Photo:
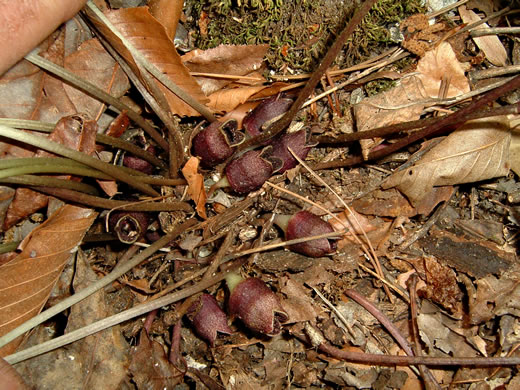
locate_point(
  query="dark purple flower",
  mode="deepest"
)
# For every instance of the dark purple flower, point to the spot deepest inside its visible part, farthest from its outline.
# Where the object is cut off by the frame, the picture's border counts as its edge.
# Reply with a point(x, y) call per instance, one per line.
point(129, 226)
point(265, 114)
point(215, 143)
point(257, 306)
point(250, 171)
point(208, 318)
point(298, 142)
point(305, 224)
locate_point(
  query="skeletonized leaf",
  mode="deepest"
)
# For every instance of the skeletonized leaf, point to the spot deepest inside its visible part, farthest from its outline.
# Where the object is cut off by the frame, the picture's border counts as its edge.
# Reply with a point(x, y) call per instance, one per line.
point(27, 280)
point(479, 150)
point(149, 37)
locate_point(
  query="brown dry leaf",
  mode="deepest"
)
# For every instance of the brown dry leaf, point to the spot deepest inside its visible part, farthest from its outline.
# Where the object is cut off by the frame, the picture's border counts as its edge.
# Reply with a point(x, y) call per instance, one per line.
point(26, 282)
point(400, 104)
point(478, 150)
point(168, 13)
point(438, 64)
point(227, 60)
point(148, 36)
point(92, 62)
point(25, 202)
point(489, 44)
point(105, 353)
point(228, 99)
point(514, 149)
point(195, 185)
point(150, 367)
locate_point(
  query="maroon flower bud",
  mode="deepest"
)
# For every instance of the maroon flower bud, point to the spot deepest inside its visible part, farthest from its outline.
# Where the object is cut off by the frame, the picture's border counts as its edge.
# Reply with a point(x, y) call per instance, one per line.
point(255, 304)
point(265, 114)
point(305, 224)
point(215, 143)
point(129, 226)
point(250, 171)
point(298, 142)
point(208, 318)
point(138, 164)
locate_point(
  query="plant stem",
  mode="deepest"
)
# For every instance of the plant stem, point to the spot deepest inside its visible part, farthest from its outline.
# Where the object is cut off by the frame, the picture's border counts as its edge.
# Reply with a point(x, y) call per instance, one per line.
point(94, 201)
point(94, 91)
point(54, 147)
point(30, 180)
point(101, 138)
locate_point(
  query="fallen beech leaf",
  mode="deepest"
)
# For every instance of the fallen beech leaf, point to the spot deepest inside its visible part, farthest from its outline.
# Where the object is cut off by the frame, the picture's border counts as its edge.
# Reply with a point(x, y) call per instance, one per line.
point(224, 59)
point(478, 150)
point(438, 64)
point(489, 44)
point(228, 99)
point(148, 36)
point(195, 185)
point(168, 13)
point(93, 63)
point(26, 281)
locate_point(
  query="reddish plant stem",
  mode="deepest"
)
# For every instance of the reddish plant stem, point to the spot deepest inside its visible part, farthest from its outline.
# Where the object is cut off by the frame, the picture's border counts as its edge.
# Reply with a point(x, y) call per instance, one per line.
point(332, 53)
point(392, 360)
point(412, 125)
point(434, 129)
point(429, 380)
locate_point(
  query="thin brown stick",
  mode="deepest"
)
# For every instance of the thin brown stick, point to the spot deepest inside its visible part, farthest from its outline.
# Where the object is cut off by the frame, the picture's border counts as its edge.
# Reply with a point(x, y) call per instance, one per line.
point(429, 380)
point(281, 124)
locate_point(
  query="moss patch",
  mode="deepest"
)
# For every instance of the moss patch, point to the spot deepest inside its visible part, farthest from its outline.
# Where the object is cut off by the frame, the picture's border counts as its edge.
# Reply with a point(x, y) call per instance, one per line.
point(298, 31)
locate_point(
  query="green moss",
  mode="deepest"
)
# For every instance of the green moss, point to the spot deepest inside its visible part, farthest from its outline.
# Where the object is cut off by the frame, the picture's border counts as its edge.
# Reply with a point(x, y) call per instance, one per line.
point(299, 32)
point(378, 86)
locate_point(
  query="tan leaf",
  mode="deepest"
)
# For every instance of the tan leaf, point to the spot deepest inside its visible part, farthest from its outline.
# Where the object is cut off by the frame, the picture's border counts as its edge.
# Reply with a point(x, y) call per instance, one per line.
point(224, 59)
point(436, 65)
point(148, 36)
point(228, 99)
point(489, 44)
point(195, 185)
point(479, 150)
point(26, 281)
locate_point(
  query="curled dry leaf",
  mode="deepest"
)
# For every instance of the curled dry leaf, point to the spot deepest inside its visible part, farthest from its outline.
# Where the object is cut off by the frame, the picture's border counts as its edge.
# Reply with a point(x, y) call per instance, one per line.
point(195, 185)
point(479, 150)
point(26, 281)
point(489, 44)
point(438, 64)
point(226, 60)
point(149, 37)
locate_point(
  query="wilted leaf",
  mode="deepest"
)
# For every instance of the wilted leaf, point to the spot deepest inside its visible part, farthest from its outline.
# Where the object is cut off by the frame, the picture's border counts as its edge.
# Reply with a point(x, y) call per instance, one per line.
point(224, 59)
point(489, 44)
point(25, 202)
point(26, 282)
point(440, 63)
point(228, 99)
point(149, 37)
point(150, 367)
point(195, 185)
point(479, 150)
point(92, 62)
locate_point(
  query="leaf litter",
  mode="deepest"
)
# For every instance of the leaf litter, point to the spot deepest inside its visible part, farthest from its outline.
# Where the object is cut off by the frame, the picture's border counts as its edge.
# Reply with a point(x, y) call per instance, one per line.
point(454, 229)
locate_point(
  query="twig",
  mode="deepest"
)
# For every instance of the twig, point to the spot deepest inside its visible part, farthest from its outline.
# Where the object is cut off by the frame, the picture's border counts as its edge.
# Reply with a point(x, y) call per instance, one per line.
point(429, 380)
point(494, 31)
point(283, 122)
point(54, 147)
point(493, 72)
